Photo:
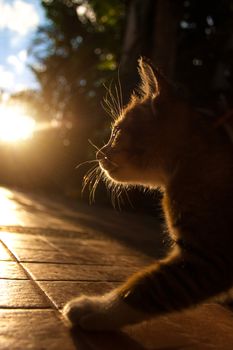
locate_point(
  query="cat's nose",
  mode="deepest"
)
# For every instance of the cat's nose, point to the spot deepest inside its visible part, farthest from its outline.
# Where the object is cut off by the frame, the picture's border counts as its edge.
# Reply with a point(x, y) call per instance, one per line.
point(101, 154)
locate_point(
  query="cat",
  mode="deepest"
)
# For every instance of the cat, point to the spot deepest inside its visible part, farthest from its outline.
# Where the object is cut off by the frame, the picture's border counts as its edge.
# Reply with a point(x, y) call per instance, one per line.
point(160, 141)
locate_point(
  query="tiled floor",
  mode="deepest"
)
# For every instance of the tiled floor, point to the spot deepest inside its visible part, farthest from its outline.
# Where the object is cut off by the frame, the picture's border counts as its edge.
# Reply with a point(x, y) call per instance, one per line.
point(40, 272)
point(54, 253)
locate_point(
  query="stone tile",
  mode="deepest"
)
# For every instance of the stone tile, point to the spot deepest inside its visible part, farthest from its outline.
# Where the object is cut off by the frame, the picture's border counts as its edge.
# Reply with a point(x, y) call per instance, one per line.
point(109, 341)
point(93, 245)
point(84, 256)
point(61, 292)
point(99, 252)
point(204, 328)
point(4, 254)
point(190, 330)
point(45, 256)
point(69, 272)
point(98, 258)
point(11, 270)
point(21, 294)
point(26, 241)
point(158, 334)
point(12, 236)
point(33, 329)
point(210, 324)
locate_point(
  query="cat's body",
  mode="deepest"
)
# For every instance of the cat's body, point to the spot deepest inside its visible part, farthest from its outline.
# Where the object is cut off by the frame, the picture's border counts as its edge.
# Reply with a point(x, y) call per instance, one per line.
point(159, 141)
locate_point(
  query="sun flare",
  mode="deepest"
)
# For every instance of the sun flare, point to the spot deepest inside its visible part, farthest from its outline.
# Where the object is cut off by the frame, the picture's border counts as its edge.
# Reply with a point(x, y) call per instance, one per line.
point(15, 125)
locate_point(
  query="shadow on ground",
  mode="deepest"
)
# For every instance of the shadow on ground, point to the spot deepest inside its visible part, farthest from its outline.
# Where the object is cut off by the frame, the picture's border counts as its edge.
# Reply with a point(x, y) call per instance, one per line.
point(108, 340)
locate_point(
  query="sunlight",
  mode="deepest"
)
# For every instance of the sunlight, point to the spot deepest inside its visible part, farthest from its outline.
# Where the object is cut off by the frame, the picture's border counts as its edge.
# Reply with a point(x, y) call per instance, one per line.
point(15, 125)
point(8, 209)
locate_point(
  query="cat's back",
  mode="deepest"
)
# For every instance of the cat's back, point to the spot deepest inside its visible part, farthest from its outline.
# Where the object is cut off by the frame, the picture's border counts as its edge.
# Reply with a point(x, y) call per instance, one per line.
point(199, 197)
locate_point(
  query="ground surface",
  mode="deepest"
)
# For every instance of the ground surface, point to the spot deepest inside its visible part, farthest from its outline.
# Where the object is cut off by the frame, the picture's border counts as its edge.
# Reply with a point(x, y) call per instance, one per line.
point(51, 251)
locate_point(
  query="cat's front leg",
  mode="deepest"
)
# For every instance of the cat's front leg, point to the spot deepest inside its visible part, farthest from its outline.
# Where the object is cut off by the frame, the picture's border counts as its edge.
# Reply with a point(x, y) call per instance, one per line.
point(105, 312)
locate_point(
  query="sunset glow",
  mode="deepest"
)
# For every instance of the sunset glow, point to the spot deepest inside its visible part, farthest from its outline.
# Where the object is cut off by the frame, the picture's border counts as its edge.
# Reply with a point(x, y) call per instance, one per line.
point(15, 125)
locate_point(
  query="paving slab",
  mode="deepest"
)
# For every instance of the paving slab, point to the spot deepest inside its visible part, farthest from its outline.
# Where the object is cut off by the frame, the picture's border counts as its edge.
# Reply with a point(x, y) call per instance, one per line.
point(71, 272)
point(34, 330)
point(21, 294)
point(209, 326)
point(77, 257)
point(4, 253)
point(44, 256)
point(99, 245)
point(61, 292)
point(42, 268)
point(26, 241)
point(11, 270)
point(106, 258)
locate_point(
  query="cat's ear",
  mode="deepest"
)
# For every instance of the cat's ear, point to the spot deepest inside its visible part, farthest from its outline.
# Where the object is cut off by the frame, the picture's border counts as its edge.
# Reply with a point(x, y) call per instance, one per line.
point(153, 83)
point(149, 86)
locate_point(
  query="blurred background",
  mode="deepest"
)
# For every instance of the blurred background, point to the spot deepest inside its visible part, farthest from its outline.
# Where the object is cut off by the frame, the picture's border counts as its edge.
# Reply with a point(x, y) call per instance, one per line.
point(58, 57)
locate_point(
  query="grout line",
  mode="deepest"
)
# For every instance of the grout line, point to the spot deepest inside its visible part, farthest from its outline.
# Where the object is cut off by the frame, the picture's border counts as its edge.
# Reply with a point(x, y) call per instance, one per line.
point(14, 278)
point(134, 268)
point(82, 281)
point(24, 308)
point(44, 295)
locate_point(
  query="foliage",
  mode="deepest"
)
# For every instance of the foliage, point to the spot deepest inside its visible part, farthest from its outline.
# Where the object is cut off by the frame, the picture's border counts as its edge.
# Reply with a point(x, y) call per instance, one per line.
point(76, 51)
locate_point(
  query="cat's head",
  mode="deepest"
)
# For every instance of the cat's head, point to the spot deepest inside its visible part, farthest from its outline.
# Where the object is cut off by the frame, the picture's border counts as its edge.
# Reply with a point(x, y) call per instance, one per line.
point(142, 143)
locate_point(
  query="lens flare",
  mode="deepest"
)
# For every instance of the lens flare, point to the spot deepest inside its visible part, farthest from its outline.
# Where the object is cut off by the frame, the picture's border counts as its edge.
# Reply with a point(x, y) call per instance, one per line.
point(15, 125)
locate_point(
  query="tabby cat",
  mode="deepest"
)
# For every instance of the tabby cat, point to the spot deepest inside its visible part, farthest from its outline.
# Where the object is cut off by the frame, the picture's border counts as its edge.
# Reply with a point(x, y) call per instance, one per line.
point(158, 140)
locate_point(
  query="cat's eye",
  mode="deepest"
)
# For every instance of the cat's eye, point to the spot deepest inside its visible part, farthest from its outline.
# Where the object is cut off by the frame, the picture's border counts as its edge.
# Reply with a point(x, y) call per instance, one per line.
point(115, 131)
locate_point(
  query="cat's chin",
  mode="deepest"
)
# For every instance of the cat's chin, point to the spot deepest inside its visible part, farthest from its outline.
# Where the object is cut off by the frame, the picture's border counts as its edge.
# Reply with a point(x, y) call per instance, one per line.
point(113, 176)
point(123, 176)
point(116, 176)
point(124, 179)
point(120, 177)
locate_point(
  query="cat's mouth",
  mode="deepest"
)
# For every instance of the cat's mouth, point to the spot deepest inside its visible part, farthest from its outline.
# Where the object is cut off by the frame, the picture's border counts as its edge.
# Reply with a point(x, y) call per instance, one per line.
point(108, 165)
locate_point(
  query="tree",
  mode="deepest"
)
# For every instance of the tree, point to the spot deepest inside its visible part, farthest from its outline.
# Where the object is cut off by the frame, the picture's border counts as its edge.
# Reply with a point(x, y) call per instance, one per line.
point(76, 51)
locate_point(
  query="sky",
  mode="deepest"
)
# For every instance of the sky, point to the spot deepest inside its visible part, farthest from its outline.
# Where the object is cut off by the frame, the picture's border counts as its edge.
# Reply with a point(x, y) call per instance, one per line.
point(19, 20)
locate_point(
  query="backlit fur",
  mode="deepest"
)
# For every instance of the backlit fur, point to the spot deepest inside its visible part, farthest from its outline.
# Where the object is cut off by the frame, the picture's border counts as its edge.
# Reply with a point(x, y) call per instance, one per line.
point(158, 140)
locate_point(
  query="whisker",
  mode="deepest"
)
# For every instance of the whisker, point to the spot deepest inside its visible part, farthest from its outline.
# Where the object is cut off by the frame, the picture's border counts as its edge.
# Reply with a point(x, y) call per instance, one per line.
point(119, 198)
point(108, 109)
point(86, 162)
point(88, 177)
point(92, 193)
point(119, 84)
point(114, 101)
point(127, 196)
point(113, 104)
point(113, 197)
point(99, 150)
point(112, 111)
point(118, 100)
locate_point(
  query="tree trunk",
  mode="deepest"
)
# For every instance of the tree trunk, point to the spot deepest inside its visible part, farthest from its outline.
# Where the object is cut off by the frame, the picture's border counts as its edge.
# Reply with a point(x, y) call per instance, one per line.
point(151, 30)
point(167, 18)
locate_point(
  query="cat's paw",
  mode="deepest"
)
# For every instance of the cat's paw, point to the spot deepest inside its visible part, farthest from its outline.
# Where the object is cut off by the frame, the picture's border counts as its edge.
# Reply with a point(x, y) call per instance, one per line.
point(106, 312)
